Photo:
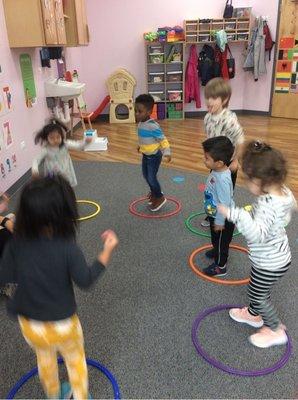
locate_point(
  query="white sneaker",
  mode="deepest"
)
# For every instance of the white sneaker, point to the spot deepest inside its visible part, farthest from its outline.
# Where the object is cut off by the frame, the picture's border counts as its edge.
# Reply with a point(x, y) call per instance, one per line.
point(205, 223)
point(242, 315)
point(266, 337)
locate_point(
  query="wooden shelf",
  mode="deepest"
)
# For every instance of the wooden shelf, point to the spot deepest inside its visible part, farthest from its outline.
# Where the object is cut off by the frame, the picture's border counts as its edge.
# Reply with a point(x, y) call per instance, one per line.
point(166, 67)
point(232, 26)
point(213, 41)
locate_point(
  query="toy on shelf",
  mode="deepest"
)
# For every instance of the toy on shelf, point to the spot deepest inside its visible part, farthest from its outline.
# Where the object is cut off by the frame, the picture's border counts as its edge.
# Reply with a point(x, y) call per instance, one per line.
point(176, 34)
point(121, 86)
point(165, 34)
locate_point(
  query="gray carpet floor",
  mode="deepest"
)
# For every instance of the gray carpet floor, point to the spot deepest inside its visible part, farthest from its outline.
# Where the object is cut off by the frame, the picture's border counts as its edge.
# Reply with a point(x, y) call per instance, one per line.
point(137, 319)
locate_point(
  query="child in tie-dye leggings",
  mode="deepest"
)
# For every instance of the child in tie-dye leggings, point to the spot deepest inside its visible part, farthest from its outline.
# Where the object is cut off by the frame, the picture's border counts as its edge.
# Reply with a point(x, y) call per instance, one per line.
point(44, 260)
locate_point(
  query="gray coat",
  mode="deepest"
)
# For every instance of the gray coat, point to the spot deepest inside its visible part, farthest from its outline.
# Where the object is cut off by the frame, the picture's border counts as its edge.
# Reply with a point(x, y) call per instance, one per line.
point(255, 57)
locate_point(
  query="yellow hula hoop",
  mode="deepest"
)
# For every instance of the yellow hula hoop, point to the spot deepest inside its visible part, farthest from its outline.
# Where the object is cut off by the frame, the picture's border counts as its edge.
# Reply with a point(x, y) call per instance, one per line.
point(93, 203)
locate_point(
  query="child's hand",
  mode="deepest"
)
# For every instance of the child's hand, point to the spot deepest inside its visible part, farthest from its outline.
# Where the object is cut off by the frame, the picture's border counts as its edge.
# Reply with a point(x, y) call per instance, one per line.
point(224, 210)
point(4, 200)
point(110, 240)
point(88, 139)
point(168, 158)
point(218, 228)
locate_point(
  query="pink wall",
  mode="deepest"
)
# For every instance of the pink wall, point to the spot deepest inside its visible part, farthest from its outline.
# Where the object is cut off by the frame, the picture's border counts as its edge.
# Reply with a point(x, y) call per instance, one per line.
point(116, 41)
point(24, 121)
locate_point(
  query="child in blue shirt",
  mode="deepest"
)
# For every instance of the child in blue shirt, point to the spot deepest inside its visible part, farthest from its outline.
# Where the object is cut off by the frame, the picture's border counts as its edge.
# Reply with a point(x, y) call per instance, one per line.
point(218, 152)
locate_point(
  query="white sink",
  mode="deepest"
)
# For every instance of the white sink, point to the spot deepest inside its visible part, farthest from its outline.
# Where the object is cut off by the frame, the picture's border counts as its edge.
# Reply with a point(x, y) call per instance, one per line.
point(63, 89)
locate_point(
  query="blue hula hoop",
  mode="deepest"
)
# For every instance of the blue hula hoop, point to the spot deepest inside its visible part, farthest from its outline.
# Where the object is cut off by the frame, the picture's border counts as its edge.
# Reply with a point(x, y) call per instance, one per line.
point(89, 361)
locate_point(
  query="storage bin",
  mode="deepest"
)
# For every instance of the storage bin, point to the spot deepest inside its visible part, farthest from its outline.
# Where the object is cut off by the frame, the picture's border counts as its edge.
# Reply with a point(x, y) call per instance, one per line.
point(174, 76)
point(156, 58)
point(175, 95)
point(156, 77)
point(175, 114)
point(191, 37)
point(217, 25)
point(191, 26)
point(156, 50)
point(231, 36)
point(243, 24)
point(204, 24)
point(242, 36)
point(229, 26)
point(204, 37)
point(161, 111)
point(158, 95)
point(179, 106)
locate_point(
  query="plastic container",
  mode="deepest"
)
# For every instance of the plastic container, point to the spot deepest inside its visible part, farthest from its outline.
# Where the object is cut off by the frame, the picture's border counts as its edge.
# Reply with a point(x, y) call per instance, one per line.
point(156, 50)
point(191, 37)
point(231, 36)
point(204, 37)
point(230, 25)
point(158, 95)
point(217, 25)
point(161, 111)
point(175, 95)
point(242, 36)
point(191, 26)
point(174, 76)
point(175, 114)
point(156, 77)
point(156, 58)
point(204, 25)
point(243, 24)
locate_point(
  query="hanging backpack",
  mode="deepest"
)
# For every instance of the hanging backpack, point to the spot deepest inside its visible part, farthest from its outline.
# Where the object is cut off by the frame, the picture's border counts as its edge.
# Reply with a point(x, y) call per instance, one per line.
point(269, 43)
point(206, 64)
point(231, 64)
point(228, 12)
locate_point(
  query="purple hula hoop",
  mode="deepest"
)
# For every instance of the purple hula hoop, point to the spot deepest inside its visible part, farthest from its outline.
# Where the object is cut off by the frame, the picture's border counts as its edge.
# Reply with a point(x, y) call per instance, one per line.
point(215, 363)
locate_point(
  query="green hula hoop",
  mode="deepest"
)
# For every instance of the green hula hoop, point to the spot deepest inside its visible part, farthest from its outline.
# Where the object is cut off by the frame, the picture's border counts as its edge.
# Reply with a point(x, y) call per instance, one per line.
point(197, 231)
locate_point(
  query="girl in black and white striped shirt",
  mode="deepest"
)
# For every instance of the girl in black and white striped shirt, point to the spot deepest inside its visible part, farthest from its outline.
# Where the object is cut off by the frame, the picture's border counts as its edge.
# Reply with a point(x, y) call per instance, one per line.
point(264, 229)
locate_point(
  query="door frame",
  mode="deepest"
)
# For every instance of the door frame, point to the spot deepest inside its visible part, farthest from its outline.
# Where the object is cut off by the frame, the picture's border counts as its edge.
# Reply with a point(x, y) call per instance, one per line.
point(275, 56)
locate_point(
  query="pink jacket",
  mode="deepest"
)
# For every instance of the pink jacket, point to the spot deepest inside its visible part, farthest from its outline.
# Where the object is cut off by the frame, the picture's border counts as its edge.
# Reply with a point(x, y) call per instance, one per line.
point(192, 89)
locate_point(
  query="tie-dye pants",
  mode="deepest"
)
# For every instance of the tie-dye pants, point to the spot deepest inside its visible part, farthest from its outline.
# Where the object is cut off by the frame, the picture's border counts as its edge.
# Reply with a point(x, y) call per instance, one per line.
point(65, 337)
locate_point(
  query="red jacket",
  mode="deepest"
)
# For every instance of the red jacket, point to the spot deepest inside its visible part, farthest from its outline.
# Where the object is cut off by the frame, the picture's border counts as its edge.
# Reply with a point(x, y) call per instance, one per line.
point(192, 89)
point(221, 58)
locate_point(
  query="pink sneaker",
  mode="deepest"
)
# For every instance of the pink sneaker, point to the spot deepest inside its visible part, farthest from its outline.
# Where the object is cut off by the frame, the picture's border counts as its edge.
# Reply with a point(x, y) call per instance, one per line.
point(242, 315)
point(266, 337)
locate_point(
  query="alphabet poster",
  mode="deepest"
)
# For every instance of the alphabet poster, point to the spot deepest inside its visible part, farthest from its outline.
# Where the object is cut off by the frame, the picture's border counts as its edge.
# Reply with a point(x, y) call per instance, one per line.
point(7, 134)
point(5, 99)
point(286, 79)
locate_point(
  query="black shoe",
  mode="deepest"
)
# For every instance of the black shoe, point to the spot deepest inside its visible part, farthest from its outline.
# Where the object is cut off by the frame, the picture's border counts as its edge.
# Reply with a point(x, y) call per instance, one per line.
point(215, 270)
point(210, 253)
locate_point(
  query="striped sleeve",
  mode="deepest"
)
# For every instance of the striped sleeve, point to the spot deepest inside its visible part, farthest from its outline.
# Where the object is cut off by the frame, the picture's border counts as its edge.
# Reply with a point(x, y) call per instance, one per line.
point(163, 141)
point(255, 227)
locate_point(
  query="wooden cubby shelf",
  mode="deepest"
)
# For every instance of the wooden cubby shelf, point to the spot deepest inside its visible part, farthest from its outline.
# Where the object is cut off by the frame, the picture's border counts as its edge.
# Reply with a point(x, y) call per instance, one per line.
point(202, 30)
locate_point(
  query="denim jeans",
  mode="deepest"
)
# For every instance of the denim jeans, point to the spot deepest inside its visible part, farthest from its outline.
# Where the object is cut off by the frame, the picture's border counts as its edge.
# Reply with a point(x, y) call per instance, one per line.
point(150, 166)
